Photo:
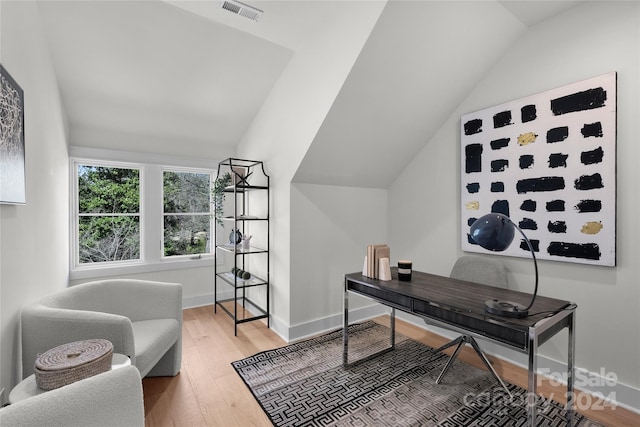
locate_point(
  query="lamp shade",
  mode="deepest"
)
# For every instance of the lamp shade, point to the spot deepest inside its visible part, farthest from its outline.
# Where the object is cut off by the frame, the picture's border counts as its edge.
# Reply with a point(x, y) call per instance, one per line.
point(493, 232)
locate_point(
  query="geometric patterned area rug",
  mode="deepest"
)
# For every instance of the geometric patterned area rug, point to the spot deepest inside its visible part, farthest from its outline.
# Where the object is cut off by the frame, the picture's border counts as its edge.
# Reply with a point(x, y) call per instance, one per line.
point(305, 384)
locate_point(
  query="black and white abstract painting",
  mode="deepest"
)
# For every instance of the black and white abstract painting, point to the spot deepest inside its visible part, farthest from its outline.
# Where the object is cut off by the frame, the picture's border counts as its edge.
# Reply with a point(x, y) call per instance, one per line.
point(548, 162)
point(12, 170)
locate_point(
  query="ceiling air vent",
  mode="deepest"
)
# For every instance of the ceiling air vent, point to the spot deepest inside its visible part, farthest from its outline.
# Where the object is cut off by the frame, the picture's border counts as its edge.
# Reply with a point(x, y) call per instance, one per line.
point(241, 9)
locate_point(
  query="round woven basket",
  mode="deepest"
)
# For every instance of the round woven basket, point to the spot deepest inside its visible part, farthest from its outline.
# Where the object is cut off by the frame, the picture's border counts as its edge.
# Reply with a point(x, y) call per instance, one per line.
point(72, 362)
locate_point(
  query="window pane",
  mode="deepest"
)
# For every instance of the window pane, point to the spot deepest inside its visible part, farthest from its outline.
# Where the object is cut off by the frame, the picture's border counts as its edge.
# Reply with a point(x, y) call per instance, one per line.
point(186, 234)
point(186, 192)
point(108, 189)
point(108, 238)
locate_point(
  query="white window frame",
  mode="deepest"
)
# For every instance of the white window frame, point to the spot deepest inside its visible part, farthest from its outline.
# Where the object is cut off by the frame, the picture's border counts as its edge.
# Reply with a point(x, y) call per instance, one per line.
point(151, 168)
point(75, 260)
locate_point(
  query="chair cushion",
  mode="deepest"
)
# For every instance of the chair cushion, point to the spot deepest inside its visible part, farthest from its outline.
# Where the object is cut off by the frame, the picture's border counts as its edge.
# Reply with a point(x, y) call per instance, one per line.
point(153, 338)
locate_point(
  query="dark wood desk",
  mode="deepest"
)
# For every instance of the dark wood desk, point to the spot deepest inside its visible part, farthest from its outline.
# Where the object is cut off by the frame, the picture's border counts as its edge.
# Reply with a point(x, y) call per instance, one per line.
point(459, 305)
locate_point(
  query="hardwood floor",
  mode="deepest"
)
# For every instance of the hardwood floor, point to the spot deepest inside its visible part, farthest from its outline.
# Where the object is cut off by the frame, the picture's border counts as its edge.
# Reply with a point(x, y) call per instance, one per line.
point(208, 392)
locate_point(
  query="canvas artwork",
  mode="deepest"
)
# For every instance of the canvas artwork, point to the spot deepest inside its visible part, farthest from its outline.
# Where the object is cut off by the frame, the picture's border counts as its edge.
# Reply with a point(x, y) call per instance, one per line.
point(548, 162)
point(12, 171)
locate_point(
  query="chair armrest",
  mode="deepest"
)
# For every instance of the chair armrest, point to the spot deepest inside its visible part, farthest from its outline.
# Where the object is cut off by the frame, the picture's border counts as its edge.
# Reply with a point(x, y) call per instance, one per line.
point(45, 327)
point(111, 399)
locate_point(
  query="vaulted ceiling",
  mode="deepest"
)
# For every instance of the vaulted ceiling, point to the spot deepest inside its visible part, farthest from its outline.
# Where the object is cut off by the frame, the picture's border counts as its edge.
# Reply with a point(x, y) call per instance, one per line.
point(420, 62)
point(189, 70)
point(151, 68)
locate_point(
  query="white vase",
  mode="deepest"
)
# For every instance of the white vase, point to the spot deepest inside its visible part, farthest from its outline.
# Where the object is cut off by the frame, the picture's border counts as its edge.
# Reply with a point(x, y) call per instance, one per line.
point(246, 242)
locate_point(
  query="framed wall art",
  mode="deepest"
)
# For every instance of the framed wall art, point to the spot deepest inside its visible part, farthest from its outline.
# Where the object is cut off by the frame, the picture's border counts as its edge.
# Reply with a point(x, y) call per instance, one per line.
point(547, 161)
point(12, 152)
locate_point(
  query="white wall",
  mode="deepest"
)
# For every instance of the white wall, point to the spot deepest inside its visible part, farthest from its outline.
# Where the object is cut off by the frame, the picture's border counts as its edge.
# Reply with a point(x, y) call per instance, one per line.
point(419, 62)
point(289, 120)
point(331, 228)
point(592, 39)
point(34, 237)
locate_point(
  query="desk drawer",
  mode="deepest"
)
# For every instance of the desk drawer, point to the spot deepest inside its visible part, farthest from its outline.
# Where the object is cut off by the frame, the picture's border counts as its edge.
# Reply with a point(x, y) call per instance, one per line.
point(388, 298)
point(482, 326)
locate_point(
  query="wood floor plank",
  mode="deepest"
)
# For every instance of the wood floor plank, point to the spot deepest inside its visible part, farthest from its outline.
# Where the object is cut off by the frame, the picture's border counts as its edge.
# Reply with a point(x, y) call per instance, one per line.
point(240, 403)
point(208, 392)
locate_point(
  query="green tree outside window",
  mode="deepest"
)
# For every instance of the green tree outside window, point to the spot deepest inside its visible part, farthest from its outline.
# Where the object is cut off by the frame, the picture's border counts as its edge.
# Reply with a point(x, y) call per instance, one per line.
point(187, 213)
point(109, 214)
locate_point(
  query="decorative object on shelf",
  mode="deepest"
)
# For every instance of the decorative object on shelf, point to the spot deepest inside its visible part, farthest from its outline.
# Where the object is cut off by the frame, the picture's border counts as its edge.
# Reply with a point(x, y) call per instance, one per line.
point(235, 237)
point(245, 275)
point(240, 175)
point(71, 362)
point(12, 149)
point(219, 185)
point(495, 232)
point(547, 161)
point(246, 242)
point(404, 270)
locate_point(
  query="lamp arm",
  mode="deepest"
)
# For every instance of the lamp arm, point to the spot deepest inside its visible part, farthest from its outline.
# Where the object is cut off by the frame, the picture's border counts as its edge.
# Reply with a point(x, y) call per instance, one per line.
point(535, 264)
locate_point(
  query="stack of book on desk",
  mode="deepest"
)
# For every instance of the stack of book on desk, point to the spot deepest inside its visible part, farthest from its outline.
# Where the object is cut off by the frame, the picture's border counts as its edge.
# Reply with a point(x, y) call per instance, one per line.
point(377, 264)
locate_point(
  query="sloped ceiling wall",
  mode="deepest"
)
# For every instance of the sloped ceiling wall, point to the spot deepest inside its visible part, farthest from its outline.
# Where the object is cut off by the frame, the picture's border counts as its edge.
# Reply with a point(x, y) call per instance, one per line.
point(418, 64)
point(149, 68)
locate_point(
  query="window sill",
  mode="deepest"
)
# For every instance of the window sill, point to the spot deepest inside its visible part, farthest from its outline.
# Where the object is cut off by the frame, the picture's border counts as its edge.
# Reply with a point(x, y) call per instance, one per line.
point(119, 270)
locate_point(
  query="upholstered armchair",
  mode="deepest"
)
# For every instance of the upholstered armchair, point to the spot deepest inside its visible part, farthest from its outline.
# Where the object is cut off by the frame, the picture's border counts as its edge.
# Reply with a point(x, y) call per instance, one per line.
point(142, 319)
point(110, 399)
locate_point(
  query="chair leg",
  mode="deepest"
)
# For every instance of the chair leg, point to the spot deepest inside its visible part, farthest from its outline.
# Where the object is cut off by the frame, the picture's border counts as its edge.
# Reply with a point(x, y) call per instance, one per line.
point(469, 340)
point(457, 341)
point(476, 347)
point(460, 341)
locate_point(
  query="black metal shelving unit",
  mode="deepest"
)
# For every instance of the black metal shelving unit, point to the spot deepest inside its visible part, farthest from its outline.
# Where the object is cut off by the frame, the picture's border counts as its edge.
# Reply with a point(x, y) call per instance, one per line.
point(249, 183)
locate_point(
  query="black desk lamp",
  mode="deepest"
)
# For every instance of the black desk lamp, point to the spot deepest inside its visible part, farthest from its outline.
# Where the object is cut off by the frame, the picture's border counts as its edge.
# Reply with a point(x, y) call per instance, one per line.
point(495, 232)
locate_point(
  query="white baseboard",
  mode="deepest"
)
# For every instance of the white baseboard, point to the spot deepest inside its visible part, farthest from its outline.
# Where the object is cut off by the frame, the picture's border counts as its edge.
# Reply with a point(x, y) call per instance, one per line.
point(326, 324)
point(197, 301)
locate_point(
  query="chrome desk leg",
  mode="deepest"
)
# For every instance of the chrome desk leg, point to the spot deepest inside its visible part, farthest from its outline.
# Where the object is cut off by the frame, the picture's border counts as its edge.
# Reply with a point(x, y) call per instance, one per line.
point(533, 369)
point(345, 328)
point(345, 334)
point(392, 322)
point(571, 368)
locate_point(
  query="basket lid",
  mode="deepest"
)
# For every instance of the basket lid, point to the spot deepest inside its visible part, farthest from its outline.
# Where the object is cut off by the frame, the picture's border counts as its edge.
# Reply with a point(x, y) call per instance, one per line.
point(73, 354)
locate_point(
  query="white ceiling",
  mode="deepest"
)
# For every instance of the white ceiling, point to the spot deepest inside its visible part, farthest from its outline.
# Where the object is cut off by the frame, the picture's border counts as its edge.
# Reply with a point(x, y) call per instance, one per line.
point(531, 12)
point(188, 70)
point(151, 68)
point(288, 23)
